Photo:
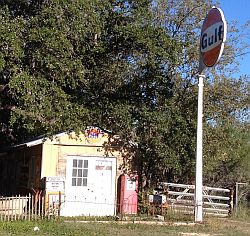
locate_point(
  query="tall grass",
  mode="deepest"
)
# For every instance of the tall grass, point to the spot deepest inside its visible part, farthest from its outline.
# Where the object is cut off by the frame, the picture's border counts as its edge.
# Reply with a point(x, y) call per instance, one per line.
point(241, 213)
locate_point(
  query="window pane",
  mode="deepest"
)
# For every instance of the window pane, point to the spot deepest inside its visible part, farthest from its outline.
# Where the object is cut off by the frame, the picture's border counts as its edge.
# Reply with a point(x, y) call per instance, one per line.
point(79, 182)
point(84, 182)
point(85, 173)
point(85, 164)
point(74, 171)
point(79, 173)
point(80, 163)
point(73, 181)
point(74, 163)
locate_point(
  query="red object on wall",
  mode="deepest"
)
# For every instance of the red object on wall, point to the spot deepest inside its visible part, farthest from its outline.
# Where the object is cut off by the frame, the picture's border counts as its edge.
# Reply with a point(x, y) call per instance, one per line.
point(128, 194)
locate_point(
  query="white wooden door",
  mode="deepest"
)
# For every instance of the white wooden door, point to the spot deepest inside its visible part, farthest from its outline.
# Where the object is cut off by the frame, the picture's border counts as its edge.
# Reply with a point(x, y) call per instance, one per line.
point(90, 186)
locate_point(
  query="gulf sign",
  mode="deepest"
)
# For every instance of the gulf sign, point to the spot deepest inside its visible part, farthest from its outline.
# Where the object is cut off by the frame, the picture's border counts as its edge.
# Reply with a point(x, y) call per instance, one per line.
point(213, 37)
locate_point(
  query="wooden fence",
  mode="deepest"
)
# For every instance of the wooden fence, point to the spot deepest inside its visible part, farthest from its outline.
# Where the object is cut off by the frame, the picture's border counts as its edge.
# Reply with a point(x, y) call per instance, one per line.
point(216, 201)
point(29, 207)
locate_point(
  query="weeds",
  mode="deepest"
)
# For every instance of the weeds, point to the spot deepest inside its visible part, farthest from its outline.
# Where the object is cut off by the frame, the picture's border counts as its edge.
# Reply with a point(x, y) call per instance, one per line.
point(242, 213)
point(236, 225)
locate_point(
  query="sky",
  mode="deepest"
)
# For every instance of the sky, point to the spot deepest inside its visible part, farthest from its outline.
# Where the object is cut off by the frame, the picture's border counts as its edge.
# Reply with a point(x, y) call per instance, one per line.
point(238, 10)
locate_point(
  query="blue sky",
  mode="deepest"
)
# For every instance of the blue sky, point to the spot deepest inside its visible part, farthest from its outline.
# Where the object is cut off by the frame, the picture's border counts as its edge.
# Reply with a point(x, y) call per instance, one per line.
point(238, 10)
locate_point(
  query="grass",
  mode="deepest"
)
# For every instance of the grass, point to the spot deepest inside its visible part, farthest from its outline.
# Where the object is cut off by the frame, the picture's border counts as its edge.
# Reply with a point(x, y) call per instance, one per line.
point(242, 213)
point(225, 227)
point(237, 225)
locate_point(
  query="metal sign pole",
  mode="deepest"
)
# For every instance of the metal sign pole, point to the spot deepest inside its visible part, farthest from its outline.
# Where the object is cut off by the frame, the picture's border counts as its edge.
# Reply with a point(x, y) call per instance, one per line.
point(198, 179)
point(212, 39)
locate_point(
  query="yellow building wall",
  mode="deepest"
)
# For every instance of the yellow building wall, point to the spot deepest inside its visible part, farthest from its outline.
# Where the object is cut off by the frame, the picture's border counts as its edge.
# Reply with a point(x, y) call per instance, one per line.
point(55, 151)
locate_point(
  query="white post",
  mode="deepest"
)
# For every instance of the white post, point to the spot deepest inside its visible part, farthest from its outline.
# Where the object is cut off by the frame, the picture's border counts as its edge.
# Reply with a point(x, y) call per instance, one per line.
point(236, 195)
point(198, 177)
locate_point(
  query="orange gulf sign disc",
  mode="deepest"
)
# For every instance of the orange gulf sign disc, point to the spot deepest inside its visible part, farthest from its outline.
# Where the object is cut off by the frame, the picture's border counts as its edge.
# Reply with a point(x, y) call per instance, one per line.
point(213, 37)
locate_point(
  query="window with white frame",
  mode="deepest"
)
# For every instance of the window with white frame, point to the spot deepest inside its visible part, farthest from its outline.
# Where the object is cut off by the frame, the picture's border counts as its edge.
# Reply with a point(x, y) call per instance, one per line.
point(80, 172)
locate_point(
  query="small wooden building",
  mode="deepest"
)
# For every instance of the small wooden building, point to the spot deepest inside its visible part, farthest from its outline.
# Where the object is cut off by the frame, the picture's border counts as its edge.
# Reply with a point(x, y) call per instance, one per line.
point(79, 170)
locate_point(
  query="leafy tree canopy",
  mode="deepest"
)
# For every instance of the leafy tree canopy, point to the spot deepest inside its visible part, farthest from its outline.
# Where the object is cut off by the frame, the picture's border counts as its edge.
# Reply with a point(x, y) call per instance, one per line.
point(127, 66)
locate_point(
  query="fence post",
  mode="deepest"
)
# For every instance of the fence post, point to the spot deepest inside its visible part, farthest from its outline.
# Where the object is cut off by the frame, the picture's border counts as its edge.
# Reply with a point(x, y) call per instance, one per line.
point(5, 212)
point(20, 208)
point(12, 207)
point(59, 204)
point(237, 194)
point(29, 206)
point(26, 208)
point(8, 208)
point(43, 205)
point(15, 208)
point(35, 206)
point(231, 200)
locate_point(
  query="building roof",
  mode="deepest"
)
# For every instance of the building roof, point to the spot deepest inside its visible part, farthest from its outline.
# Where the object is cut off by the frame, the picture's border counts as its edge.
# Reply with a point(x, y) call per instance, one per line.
point(38, 140)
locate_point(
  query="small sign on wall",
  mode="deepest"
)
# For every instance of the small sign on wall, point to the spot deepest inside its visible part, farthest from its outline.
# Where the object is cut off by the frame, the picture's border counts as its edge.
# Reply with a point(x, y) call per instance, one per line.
point(131, 185)
point(55, 184)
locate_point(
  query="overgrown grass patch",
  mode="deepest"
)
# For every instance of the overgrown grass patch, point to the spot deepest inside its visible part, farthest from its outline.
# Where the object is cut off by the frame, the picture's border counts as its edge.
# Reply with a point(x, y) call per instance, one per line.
point(211, 226)
point(45, 227)
point(242, 213)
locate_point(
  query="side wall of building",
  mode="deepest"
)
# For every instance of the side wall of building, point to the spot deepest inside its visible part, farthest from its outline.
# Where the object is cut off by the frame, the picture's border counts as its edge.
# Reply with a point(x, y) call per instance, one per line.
point(20, 170)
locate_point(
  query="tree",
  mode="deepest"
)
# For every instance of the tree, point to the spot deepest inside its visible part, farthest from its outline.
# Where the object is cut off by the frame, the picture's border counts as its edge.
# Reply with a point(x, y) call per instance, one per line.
point(127, 66)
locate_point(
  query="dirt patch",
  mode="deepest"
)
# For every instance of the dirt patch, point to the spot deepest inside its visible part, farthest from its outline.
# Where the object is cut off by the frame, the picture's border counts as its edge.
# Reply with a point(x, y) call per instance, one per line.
point(199, 234)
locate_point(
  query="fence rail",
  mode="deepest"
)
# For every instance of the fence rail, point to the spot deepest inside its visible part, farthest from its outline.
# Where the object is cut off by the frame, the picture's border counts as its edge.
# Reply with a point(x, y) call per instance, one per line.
point(216, 201)
point(25, 208)
point(34, 207)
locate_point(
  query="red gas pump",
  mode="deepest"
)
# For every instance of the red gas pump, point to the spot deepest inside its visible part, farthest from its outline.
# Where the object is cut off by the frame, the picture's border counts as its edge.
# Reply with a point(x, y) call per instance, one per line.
point(128, 194)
